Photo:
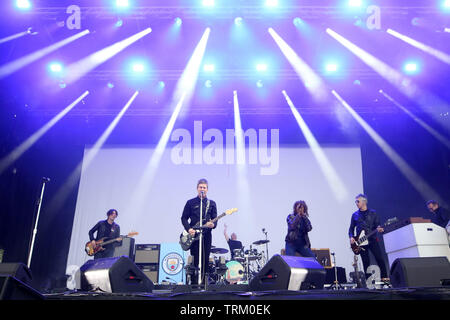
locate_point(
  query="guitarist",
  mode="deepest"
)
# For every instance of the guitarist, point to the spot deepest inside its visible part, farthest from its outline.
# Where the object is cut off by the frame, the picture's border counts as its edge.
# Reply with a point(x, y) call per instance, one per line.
point(191, 216)
point(367, 219)
point(106, 229)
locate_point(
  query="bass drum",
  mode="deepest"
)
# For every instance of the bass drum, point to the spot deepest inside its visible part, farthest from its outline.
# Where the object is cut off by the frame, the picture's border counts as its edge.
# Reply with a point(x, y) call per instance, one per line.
point(235, 272)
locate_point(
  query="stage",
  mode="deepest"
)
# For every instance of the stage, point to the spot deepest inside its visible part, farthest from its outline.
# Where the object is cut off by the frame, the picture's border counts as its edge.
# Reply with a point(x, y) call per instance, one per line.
point(241, 294)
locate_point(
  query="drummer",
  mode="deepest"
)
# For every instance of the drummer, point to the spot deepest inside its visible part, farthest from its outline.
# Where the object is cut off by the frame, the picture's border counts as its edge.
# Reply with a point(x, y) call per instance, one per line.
point(233, 243)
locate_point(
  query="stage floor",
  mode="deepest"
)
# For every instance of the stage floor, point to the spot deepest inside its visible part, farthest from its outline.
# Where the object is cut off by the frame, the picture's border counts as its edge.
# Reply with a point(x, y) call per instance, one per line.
point(239, 293)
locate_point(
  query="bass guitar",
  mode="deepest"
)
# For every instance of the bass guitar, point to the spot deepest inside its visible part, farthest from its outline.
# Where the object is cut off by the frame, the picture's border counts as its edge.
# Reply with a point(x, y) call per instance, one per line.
point(186, 239)
point(93, 249)
point(362, 239)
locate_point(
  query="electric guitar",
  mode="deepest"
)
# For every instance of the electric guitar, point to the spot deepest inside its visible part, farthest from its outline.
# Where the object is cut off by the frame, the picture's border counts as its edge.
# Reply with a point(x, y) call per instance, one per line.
point(363, 239)
point(92, 250)
point(186, 240)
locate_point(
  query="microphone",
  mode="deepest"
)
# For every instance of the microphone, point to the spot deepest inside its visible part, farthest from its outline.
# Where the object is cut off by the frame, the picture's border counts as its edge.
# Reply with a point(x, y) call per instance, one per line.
point(263, 229)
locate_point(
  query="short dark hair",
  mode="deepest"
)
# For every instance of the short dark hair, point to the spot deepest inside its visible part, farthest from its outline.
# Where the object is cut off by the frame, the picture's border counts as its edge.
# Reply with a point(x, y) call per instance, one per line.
point(202, 181)
point(432, 202)
point(112, 211)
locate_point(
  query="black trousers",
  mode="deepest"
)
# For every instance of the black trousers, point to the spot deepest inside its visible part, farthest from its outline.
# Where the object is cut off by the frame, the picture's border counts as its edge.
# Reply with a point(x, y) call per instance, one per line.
point(107, 253)
point(373, 247)
point(206, 249)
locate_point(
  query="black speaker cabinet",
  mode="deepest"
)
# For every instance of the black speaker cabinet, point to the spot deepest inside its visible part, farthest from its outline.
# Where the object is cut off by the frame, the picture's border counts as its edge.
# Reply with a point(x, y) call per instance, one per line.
point(18, 271)
point(125, 248)
point(114, 275)
point(14, 289)
point(289, 273)
point(420, 272)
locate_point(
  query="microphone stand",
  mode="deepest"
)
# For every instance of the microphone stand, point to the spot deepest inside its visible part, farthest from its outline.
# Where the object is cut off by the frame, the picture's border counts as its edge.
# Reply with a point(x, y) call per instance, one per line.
point(200, 243)
point(33, 238)
point(267, 246)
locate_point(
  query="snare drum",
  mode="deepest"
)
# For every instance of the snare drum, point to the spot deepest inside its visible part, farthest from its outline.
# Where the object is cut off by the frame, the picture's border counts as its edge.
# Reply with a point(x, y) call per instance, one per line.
point(235, 272)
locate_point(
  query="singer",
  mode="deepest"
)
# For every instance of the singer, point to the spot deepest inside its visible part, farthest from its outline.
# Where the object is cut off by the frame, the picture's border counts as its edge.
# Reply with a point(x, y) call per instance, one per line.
point(191, 215)
point(297, 239)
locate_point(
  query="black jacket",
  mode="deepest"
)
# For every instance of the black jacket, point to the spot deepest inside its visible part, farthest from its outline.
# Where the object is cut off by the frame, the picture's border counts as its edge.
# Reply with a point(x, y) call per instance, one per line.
point(104, 230)
point(441, 217)
point(364, 220)
point(191, 213)
point(298, 228)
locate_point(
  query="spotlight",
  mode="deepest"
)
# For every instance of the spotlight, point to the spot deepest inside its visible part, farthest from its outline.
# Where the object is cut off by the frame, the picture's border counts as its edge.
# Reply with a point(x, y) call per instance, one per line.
point(331, 67)
point(355, 3)
point(178, 21)
point(161, 84)
point(110, 85)
point(271, 3)
point(411, 67)
point(259, 84)
point(122, 3)
point(208, 83)
point(238, 21)
point(56, 67)
point(208, 3)
point(138, 67)
point(446, 4)
point(23, 4)
point(209, 68)
point(297, 22)
point(119, 23)
point(261, 67)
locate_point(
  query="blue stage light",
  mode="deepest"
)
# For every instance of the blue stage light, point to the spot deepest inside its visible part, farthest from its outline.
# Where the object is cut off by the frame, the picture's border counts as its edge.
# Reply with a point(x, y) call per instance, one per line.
point(261, 67)
point(161, 85)
point(208, 3)
point(208, 83)
point(271, 3)
point(298, 22)
point(209, 67)
point(331, 67)
point(122, 3)
point(138, 67)
point(355, 3)
point(55, 67)
point(446, 5)
point(23, 4)
point(259, 84)
point(238, 21)
point(178, 22)
point(411, 67)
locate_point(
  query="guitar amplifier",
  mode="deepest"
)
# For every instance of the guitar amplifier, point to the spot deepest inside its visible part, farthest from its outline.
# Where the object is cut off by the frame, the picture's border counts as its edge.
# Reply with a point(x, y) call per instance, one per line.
point(151, 270)
point(147, 253)
point(125, 248)
point(323, 256)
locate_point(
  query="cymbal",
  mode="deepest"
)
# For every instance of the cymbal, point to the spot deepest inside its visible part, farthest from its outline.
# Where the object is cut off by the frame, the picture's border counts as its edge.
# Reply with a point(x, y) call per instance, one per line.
point(259, 242)
point(219, 250)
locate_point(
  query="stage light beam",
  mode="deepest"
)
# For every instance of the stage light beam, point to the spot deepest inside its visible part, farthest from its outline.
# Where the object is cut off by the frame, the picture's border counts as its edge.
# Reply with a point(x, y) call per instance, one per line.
point(28, 143)
point(78, 69)
point(334, 181)
point(20, 63)
point(422, 187)
point(442, 56)
point(419, 121)
point(403, 83)
point(312, 82)
point(182, 96)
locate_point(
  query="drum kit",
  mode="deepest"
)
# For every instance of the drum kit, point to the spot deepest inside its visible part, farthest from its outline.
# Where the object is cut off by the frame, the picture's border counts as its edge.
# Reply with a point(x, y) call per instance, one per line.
point(243, 266)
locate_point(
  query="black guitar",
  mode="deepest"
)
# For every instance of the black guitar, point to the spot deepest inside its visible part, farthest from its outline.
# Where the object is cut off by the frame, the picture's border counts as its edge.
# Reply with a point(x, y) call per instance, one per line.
point(186, 239)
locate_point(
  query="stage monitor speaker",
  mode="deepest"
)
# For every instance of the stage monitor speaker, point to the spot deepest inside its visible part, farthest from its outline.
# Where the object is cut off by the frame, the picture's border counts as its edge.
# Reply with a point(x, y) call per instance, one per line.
point(18, 271)
point(125, 248)
point(114, 275)
point(14, 289)
point(419, 272)
point(151, 270)
point(289, 273)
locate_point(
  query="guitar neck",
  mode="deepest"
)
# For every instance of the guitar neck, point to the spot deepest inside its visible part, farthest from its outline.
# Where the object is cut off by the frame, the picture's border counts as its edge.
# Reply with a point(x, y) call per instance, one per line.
point(216, 218)
point(109, 241)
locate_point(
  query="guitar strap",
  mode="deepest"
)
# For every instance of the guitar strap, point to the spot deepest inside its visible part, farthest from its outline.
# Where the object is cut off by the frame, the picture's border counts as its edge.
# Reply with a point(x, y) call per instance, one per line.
point(207, 208)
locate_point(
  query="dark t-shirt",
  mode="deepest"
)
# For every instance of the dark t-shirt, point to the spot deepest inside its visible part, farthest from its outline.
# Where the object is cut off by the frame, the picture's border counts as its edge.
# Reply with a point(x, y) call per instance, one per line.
point(234, 244)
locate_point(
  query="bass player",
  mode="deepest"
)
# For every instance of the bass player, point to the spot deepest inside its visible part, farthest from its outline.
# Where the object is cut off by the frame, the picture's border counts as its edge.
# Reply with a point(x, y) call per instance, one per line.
point(367, 220)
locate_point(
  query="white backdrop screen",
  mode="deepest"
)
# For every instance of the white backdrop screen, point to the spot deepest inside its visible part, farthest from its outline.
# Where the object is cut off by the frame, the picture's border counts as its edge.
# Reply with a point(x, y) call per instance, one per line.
point(263, 200)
